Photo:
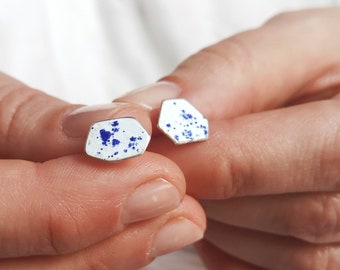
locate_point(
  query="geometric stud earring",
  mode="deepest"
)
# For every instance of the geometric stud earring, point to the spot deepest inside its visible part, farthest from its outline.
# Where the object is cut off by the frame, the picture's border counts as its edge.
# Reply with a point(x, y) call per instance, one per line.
point(116, 139)
point(182, 122)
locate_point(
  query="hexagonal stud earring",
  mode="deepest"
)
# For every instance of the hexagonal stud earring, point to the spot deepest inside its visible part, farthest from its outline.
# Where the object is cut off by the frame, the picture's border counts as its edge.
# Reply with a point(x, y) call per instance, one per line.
point(116, 139)
point(182, 122)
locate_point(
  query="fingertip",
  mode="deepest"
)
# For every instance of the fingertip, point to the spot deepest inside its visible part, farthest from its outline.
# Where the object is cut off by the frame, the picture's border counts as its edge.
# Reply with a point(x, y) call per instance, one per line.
point(151, 96)
point(165, 168)
point(179, 228)
point(194, 212)
point(76, 123)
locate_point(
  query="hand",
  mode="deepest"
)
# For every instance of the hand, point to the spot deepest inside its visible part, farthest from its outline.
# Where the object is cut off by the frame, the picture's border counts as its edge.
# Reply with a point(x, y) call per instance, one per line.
point(272, 98)
point(54, 200)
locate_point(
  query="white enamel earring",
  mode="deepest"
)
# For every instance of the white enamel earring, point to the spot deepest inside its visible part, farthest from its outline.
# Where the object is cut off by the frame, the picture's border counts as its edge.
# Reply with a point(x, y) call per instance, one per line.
point(182, 122)
point(116, 139)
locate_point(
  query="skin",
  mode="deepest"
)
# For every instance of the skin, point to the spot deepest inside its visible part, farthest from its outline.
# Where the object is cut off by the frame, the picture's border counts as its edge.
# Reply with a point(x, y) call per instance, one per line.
point(268, 176)
point(55, 200)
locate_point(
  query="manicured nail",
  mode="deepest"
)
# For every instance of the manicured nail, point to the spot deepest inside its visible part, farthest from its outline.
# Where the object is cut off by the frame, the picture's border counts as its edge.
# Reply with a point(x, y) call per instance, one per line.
point(152, 96)
point(77, 123)
point(150, 200)
point(174, 235)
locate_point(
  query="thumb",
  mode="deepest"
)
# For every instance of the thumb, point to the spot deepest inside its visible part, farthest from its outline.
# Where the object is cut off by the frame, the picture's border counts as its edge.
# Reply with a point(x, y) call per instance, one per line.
point(38, 127)
point(259, 69)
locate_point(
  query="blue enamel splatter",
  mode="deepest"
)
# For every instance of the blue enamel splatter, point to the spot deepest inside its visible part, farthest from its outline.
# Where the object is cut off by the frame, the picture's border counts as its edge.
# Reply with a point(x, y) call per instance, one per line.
point(182, 122)
point(116, 139)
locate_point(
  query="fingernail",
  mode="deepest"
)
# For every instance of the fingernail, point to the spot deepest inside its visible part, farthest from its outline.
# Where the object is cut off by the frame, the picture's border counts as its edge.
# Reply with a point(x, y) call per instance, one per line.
point(150, 200)
point(174, 235)
point(152, 96)
point(77, 123)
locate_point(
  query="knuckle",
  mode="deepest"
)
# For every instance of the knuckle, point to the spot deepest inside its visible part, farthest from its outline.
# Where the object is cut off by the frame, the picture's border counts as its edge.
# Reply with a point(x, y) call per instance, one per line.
point(298, 16)
point(11, 105)
point(283, 17)
point(230, 54)
point(73, 216)
point(63, 229)
point(233, 170)
point(329, 157)
point(226, 176)
point(319, 22)
point(315, 258)
point(62, 219)
point(92, 263)
point(320, 223)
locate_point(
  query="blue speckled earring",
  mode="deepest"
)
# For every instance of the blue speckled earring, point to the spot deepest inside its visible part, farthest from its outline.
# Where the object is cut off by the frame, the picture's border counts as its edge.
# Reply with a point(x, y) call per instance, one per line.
point(116, 139)
point(182, 122)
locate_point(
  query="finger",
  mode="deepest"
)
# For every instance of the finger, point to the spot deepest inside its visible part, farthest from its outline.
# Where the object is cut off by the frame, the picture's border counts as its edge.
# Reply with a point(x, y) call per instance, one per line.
point(69, 203)
point(259, 69)
point(270, 251)
point(293, 149)
point(133, 248)
point(216, 259)
point(38, 127)
point(310, 217)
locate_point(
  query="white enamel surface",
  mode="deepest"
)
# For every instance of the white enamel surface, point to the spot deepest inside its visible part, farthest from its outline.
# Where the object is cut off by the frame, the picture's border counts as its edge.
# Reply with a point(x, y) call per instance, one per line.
point(116, 139)
point(182, 122)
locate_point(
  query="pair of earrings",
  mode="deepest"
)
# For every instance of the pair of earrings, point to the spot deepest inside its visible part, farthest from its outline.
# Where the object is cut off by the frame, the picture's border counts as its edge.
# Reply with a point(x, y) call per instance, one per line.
point(122, 138)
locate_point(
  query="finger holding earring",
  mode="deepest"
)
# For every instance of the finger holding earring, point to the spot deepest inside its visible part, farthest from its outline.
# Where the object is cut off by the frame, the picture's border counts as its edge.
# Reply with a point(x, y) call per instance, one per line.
point(122, 138)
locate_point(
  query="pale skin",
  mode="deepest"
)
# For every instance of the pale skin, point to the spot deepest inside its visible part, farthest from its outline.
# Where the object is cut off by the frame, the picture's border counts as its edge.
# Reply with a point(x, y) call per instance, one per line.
point(268, 175)
point(54, 200)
